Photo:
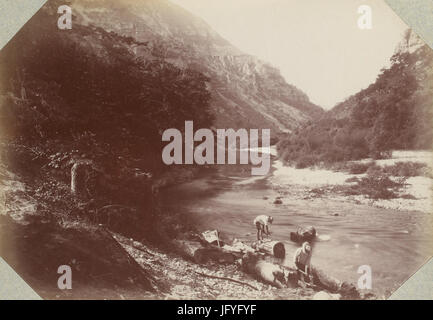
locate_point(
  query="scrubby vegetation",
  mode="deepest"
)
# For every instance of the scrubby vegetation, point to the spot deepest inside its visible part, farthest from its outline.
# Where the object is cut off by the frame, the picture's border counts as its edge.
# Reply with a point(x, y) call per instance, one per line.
point(392, 113)
point(374, 186)
point(403, 169)
point(381, 182)
point(399, 169)
point(358, 168)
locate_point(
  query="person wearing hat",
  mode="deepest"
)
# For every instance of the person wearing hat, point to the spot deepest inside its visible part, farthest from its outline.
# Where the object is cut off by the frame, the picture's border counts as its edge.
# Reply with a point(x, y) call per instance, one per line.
point(302, 259)
point(262, 223)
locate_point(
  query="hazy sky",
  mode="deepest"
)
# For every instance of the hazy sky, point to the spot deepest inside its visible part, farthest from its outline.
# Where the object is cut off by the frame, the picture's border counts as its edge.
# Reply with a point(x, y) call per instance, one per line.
point(316, 44)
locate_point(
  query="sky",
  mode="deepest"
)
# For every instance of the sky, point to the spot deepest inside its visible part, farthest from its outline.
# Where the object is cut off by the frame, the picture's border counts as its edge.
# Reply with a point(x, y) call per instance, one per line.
point(316, 44)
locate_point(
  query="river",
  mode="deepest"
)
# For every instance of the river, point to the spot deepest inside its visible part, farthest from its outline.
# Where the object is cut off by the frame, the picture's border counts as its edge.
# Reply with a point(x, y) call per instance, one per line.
point(394, 243)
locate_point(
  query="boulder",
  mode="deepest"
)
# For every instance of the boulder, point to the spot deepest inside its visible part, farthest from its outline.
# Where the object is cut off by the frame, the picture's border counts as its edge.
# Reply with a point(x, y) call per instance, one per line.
point(303, 234)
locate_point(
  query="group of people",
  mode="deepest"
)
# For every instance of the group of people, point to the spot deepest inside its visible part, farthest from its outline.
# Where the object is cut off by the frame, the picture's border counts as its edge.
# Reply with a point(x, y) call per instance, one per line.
point(302, 256)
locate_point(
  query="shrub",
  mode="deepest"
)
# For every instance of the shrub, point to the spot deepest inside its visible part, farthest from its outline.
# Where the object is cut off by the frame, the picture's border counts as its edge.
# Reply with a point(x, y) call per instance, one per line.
point(352, 179)
point(407, 169)
point(305, 161)
point(376, 187)
point(401, 169)
point(359, 168)
point(378, 155)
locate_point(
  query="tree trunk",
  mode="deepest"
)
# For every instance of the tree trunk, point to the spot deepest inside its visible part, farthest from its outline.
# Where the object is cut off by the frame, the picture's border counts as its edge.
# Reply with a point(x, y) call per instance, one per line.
point(263, 270)
point(199, 254)
point(274, 248)
point(79, 177)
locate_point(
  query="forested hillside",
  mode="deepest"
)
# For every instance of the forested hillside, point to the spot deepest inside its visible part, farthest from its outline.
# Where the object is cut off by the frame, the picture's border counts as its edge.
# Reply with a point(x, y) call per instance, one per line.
point(99, 96)
point(394, 112)
point(82, 96)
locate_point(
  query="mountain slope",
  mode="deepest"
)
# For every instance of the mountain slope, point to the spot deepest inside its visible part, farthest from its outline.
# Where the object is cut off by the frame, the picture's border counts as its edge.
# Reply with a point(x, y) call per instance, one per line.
point(245, 92)
point(101, 94)
point(411, 45)
point(394, 112)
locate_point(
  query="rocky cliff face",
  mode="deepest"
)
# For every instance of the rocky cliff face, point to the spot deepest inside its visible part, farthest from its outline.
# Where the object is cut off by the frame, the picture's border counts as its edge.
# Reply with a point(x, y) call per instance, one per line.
point(246, 92)
point(410, 43)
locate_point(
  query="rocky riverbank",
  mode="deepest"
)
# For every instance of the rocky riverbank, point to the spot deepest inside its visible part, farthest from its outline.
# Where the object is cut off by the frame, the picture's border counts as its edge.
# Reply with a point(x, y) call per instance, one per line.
point(108, 265)
point(406, 190)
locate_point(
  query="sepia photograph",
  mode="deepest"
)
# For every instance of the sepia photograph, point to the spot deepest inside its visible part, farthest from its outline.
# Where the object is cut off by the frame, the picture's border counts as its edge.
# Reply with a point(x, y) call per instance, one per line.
point(215, 150)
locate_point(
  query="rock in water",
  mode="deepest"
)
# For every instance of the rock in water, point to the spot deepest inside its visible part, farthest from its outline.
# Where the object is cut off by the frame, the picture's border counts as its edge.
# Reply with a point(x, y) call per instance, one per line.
point(278, 201)
point(303, 234)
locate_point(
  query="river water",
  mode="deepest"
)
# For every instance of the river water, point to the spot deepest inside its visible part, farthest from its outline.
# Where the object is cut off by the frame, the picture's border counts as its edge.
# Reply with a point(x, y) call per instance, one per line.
point(393, 243)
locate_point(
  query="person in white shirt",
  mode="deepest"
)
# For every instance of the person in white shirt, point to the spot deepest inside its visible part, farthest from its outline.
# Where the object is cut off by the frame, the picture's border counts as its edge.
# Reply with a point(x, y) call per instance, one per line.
point(262, 223)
